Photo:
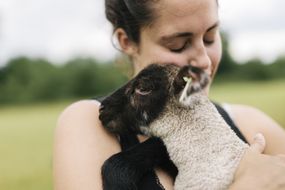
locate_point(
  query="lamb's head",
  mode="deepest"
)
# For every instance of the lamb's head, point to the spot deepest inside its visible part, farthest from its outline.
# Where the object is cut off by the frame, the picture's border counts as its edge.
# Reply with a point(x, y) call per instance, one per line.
point(137, 103)
point(143, 98)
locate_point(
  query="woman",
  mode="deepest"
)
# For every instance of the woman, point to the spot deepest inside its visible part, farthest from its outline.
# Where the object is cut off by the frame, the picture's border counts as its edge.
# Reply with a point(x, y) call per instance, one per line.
point(164, 31)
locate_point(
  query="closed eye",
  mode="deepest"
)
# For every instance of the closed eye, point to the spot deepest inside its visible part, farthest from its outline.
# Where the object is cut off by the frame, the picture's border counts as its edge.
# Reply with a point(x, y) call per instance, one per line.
point(143, 92)
point(209, 42)
point(179, 50)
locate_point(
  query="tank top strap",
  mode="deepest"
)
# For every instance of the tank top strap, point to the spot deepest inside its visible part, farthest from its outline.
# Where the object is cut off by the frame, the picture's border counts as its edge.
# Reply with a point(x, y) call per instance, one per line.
point(230, 122)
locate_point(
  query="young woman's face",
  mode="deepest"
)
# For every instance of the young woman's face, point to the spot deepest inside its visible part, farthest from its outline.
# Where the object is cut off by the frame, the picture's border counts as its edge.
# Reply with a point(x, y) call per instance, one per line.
point(185, 32)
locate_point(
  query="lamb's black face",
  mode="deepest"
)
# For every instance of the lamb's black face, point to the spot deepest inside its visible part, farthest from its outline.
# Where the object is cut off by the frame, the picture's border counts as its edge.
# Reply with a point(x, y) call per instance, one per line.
point(137, 103)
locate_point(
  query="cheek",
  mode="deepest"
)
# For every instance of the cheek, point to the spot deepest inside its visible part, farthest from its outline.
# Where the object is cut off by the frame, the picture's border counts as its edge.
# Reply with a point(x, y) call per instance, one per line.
point(215, 54)
point(160, 56)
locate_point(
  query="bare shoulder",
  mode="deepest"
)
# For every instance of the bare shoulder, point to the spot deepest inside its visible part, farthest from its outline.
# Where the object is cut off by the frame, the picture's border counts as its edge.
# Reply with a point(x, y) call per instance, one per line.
point(251, 121)
point(81, 145)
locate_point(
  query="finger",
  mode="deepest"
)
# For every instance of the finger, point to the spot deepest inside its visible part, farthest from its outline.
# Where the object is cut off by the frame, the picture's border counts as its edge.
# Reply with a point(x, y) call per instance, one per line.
point(259, 143)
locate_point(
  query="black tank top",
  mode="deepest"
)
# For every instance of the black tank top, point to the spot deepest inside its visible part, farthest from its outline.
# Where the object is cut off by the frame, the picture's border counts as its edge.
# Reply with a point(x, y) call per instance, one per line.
point(150, 180)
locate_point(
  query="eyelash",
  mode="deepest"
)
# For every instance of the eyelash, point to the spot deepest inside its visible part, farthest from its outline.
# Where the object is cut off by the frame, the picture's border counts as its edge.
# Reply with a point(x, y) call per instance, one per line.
point(187, 43)
point(209, 42)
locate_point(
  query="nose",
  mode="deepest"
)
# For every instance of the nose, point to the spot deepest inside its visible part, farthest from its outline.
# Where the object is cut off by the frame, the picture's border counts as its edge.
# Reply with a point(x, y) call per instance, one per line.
point(200, 57)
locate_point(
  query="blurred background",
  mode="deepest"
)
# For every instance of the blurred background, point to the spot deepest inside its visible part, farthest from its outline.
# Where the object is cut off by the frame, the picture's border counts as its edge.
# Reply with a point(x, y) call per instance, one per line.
point(54, 52)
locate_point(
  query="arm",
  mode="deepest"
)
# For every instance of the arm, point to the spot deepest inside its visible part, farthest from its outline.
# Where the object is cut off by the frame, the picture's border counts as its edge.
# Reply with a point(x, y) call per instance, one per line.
point(252, 121)
point(81, 145)
point(258, 171)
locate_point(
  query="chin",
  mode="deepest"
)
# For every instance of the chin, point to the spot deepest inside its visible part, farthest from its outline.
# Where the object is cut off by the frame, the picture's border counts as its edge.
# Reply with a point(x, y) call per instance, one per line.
point(206, 90)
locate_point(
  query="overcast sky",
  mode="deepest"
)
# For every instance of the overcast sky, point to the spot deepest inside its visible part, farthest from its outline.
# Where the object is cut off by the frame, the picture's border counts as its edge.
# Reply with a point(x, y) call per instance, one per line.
point(62, 29)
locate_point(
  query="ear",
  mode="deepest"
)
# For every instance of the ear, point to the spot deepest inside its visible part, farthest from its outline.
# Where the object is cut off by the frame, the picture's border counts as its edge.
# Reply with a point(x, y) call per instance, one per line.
point(128, 47)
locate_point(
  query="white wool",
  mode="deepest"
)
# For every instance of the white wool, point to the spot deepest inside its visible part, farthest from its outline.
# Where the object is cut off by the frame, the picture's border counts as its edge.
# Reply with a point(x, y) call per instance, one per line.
point(200, 143)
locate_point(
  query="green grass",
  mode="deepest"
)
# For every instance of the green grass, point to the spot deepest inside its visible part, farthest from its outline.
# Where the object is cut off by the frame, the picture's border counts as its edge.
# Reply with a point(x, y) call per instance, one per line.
point(26, 132)
point(26, 135)
point(269, 96)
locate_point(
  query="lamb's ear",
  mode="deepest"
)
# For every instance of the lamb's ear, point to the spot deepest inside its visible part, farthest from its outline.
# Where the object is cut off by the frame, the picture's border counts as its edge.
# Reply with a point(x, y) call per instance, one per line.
point(129, 92)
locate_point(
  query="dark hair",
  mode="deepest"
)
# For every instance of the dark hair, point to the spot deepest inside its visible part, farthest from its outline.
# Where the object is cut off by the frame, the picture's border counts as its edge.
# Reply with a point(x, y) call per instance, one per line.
point(130, 15)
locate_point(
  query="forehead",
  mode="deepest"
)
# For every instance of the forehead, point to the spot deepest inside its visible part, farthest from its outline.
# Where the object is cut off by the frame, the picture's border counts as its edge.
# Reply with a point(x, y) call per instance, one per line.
point(184, 16)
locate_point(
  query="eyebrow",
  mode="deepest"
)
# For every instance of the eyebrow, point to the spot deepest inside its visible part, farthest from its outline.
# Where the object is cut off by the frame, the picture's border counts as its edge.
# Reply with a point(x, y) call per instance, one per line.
point(214, 26)
point(176, 35)
point(185, 34)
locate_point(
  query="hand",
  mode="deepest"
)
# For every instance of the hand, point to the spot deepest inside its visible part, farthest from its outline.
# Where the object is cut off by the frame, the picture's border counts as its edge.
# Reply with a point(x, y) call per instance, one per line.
point(259, 171)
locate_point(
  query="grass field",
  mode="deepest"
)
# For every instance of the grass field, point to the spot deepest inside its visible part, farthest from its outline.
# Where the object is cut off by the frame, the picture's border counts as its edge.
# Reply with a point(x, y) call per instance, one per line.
point(26, 135)
point(269, 97)
point(26, 132)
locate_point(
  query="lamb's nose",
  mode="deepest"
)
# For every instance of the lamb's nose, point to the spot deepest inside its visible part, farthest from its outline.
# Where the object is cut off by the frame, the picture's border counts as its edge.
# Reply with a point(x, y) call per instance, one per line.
point(193, 76)
point(194, 73)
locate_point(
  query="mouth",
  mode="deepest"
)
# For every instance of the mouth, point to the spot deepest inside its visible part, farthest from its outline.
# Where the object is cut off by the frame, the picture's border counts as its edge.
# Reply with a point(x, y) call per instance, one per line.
point(197, 81)
point(190, 80)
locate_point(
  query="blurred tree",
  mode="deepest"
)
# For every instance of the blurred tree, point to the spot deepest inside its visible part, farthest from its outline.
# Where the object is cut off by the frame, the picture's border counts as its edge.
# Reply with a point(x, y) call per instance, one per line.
point(227, 64)
point(277, 68)
point(254, 69)
point(87, 77)
point(27, 80)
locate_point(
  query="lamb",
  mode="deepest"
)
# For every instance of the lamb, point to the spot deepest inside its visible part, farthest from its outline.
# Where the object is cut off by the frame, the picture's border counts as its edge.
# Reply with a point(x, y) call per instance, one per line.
point(160, 103)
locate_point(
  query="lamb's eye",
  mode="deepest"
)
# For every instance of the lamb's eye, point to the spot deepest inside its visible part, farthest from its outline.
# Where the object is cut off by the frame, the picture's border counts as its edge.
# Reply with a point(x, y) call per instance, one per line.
point(143, 91)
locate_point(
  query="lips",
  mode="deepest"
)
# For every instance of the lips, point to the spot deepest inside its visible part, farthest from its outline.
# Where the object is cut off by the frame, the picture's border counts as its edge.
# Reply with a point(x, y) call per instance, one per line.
point(194, 76)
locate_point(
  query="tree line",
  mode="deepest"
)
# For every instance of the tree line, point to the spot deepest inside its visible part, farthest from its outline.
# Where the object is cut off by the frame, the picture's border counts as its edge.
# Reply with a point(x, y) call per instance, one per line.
point(25, 79)
point(29, 80)
point(254, 69)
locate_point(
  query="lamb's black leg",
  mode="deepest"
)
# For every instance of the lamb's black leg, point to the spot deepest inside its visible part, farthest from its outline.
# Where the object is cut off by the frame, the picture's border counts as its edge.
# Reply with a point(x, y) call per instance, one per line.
point(124, 170)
